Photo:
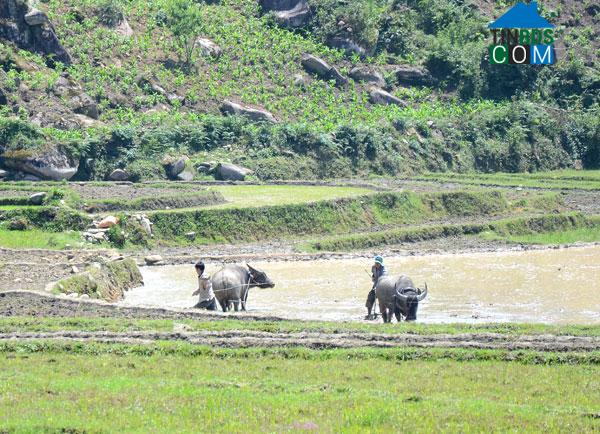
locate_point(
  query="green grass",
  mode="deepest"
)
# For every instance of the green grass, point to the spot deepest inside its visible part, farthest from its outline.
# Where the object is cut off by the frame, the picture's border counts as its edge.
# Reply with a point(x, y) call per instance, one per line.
point(587, 234)
point(560, 179)
point(244, 196)
point(23, 324)
point(199, 389)
point(38, 239)
point(549, 227)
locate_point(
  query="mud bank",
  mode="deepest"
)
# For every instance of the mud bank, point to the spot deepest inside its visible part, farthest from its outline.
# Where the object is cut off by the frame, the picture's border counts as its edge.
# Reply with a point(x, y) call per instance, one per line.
point(249, 339)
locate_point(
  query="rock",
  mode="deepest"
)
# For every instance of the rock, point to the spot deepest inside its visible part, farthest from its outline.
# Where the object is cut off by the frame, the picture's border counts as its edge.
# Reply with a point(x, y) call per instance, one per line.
point(208, 48)
point(232, 172)
point(118, 175)
point(186, 175)
point(53, 166)
point(380, 96)
point(85, 105)
point(412, 75)
point(175, 167)
point(367, 75)
point(153, 259)
point(322, 69)
point(108, 222)
point(190, 236)
point(255, 115)
point(205, 167)
point(84, 296)
point(74, 269)
point(3, 173)
point(37, 198)
point(29, 29)
point(100, 236)
point(288, 13)
point(349, 46)
point(146, 225)
point(124, 29)
point(36, 17)
point(72, 295)
point(64, 87)
point(31, 178)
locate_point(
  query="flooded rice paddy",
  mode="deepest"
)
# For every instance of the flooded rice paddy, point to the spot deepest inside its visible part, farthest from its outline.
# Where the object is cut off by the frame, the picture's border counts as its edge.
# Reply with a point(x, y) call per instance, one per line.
point(558, 286)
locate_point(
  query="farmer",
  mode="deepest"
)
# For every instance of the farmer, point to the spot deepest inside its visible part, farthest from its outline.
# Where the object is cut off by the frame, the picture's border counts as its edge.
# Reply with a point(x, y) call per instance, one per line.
point(205, 291)
point(377, 270)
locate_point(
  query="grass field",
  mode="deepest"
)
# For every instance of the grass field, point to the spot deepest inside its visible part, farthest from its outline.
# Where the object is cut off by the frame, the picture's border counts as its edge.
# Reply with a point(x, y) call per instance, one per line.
point(586, 235)
point(561, 179)
point(287, 390)
point(243, 196)
point(14, 324)
point(38, 239)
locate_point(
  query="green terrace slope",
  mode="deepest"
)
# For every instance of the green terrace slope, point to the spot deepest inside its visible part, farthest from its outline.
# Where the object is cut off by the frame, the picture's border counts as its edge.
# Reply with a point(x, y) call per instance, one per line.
point(149, 105)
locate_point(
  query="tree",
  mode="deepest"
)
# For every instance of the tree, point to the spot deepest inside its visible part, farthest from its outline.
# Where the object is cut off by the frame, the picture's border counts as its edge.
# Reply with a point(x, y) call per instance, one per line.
point(185, 22)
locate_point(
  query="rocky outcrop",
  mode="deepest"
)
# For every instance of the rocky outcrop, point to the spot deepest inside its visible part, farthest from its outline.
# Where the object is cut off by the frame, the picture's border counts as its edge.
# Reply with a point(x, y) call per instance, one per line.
point(83, 104)
point(254, 114)
point(124, 29)
point(30, 29)
point(380, 96)
point(208, 48)
point(52, 165)
point(179, 169)
point(288, 13)
point(322, 69)
point(367, 75)
point(231, 172)
point(412, 75)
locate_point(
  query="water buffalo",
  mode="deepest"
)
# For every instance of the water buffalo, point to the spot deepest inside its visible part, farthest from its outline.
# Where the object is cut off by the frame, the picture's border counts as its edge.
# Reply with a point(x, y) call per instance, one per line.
point(400, 296)
point(232, 282)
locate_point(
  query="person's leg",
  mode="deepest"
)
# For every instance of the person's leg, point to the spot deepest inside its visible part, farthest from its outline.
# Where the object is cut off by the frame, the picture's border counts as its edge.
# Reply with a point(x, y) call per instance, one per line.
point(212, 305)
point(370, 303)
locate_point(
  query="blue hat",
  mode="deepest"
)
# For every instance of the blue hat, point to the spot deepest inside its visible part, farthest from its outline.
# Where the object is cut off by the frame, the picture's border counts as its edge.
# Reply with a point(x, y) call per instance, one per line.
point(379, 259)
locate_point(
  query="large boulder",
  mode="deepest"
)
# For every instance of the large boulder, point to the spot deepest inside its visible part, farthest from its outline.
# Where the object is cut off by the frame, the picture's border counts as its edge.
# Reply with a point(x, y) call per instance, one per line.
point(174, 166)
point(367, 75)
point(288, 13)
point(208, 48)
point(256, 115)
point(30, 30)
point(231, 172)
point(380, 96)
point(118, 175)
point(322, 69)
point(52, 165)
point(412, 75)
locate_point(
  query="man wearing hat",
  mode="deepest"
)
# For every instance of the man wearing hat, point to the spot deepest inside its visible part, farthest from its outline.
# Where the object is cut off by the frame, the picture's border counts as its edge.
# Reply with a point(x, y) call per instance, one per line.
point(377, 270)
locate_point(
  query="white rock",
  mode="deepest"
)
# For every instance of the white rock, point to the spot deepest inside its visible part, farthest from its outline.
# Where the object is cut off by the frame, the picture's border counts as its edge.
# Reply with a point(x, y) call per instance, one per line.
point(153, 259)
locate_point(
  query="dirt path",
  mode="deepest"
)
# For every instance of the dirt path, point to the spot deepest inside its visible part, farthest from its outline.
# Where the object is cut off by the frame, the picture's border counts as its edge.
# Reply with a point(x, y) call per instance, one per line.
point(314, 340)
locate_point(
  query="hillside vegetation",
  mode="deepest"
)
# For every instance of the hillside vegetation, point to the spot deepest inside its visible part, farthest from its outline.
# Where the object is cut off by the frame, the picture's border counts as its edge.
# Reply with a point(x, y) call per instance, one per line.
point(148, 96)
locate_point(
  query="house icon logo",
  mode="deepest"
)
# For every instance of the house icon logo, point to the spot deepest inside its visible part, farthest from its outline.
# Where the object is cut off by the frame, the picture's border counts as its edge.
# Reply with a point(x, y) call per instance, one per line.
point(522, 37)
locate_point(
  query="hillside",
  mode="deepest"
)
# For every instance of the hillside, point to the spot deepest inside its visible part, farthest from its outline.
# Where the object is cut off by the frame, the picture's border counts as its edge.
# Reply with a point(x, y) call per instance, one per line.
point(408, 89)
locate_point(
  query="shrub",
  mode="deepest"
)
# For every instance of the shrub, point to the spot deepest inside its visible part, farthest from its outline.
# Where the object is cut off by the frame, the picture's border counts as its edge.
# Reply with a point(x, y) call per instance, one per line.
point(110, 12)
point(18, 224)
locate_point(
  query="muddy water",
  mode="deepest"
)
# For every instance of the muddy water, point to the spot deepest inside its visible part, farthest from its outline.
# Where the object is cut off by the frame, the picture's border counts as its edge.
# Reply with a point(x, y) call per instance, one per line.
point(559, 286)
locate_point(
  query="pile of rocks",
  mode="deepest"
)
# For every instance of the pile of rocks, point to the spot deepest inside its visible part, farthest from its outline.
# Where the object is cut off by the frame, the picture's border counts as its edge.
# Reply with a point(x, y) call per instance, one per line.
point(96, 233)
